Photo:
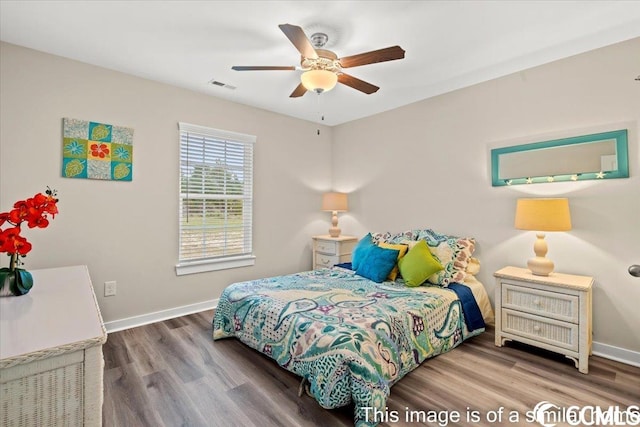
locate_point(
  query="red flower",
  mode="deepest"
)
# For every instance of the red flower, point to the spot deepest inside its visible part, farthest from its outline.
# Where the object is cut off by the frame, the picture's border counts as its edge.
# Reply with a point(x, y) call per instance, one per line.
point(35, 211)
point(22, 246)
point(17, 215)
point(38, 199)
point(36, 220)
point(12, 242)
point(4, 239)
point(99, 150)
point(4, 217)
point(50, 206)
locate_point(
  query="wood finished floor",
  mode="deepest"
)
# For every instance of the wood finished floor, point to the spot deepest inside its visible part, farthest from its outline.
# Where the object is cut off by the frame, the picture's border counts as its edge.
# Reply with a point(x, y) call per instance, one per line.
point(172, 373)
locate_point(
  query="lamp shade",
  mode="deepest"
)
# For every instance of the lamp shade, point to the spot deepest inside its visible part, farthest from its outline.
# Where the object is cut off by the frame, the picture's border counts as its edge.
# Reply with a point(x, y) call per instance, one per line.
point(543, 214)
point(319, 80)
point(334, 202)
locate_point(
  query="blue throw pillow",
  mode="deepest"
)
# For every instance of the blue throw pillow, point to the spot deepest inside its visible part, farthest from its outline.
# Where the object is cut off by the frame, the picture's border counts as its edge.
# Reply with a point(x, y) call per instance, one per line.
point(378, 263)
point(360, 251)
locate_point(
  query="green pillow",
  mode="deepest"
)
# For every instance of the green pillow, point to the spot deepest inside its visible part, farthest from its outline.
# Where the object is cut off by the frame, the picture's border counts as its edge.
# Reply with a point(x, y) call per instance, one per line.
point(418, 264)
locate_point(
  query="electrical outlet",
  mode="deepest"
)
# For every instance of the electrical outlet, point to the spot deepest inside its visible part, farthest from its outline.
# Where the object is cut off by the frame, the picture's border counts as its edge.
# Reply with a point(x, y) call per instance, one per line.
point(109, 288)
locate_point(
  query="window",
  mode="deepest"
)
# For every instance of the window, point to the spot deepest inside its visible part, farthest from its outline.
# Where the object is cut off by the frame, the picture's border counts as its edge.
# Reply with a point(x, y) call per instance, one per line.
point(216, 198)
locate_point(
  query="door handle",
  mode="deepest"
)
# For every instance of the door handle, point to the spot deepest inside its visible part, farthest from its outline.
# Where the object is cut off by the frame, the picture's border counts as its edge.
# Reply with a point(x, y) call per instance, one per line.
point(634, 270)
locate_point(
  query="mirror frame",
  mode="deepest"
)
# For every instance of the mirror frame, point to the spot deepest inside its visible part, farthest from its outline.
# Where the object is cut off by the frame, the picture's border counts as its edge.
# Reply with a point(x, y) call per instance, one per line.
point(620, 137)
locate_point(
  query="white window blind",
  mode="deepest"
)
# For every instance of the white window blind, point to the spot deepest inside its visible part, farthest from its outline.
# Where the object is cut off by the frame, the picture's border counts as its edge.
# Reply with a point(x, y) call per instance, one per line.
point(216, 197)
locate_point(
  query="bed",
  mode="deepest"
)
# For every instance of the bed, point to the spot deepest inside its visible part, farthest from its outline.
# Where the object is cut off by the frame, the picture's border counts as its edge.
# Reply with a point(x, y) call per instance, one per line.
point(349, 337)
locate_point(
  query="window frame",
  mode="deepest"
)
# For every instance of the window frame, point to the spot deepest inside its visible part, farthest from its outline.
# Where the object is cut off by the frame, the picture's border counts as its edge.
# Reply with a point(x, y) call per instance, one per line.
point(204, 264)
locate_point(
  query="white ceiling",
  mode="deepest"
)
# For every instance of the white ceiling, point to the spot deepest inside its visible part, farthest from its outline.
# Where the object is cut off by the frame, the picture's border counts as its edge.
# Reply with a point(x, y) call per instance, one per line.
point(448, 44)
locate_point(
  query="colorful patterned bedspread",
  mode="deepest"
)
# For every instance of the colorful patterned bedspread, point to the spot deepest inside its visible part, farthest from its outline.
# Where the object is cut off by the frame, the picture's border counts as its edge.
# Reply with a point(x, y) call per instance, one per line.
point(349, 337)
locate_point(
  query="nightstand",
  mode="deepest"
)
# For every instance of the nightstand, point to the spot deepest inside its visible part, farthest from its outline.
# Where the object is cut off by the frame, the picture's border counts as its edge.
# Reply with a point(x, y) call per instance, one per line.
point(329, 251)
point(551, 312)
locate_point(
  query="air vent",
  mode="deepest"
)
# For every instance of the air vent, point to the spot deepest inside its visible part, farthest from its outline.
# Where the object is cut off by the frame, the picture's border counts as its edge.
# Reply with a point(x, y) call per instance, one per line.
point(221, 84)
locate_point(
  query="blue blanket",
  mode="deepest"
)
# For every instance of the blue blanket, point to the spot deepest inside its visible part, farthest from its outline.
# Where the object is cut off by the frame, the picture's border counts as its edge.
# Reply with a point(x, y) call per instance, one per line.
point(472, 314)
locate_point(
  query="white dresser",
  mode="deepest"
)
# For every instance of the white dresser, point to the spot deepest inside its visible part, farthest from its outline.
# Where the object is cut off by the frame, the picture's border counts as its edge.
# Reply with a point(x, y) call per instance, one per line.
point(51, 352)
point(329, 251)
point(551, 312)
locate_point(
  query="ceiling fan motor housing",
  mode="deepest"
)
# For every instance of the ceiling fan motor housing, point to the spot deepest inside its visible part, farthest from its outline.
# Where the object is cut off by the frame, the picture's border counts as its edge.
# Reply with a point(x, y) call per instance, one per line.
point(326, 60)
point(318, 40)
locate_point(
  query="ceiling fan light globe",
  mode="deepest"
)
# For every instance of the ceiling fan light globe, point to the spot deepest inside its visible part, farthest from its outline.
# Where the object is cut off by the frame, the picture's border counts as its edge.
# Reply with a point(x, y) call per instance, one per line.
point(319, 81)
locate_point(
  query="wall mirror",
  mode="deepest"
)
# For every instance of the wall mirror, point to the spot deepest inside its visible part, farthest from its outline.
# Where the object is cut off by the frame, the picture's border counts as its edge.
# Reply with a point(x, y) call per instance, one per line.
point(596, 156)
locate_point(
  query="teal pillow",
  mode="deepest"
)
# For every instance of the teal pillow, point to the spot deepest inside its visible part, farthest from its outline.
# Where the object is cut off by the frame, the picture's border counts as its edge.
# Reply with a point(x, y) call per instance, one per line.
point(418, 264)
point(360, 251)
point(377, 263)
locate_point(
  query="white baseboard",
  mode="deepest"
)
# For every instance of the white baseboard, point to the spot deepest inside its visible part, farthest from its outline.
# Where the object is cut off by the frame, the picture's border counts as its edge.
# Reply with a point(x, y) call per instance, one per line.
point(159, 316)
point(616, 353)
point(599, 349)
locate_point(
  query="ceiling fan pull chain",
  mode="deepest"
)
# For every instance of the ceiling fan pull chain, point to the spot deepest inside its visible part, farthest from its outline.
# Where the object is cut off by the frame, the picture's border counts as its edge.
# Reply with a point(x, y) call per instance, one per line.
point(318, 109)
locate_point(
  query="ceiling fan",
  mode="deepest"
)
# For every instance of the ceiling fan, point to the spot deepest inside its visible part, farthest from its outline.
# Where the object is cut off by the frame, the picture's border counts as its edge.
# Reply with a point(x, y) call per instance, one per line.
point(322, 68)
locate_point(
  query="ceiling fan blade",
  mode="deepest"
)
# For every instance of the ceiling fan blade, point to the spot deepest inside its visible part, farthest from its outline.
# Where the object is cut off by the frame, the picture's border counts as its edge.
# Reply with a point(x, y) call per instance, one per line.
point(261, 68)
point(381, 55)
point(299, 40)
point(299, 91)
point(357, 84)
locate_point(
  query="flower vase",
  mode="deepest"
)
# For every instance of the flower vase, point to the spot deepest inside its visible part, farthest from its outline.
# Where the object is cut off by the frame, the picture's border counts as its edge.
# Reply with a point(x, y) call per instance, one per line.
point(14, 281)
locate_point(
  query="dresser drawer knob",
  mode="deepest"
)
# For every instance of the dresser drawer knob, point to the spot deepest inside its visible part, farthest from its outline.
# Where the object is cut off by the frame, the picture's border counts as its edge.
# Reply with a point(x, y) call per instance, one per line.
point(536, 328)
point(537, 302)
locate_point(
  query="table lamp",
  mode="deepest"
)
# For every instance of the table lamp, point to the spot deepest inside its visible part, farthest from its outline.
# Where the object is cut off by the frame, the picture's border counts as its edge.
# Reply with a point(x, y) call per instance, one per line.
point(542, 215)
point(334, 202)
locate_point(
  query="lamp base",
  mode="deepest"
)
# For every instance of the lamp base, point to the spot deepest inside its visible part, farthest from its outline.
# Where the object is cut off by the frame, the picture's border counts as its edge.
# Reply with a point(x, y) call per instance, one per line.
point(334, 231)
point(540, 266)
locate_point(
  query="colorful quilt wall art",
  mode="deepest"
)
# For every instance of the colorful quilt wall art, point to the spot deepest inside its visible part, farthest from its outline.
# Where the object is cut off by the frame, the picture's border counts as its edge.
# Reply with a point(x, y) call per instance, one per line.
point(96, 150)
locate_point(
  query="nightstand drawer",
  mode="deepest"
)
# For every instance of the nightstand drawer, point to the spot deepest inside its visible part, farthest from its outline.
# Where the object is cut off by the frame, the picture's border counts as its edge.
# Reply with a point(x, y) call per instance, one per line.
point(536, 301)
point(328, 248)
point(539, 329)
point(329, 251)
point(326, 261)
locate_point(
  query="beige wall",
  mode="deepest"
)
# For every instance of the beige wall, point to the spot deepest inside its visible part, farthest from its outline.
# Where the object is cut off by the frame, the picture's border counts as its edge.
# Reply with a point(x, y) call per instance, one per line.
point(128, 231)
point(424, 165)
point(427, 165)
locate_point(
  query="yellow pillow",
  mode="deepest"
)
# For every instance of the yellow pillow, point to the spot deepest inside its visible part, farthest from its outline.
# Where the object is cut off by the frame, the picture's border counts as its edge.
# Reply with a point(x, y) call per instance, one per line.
point(403, 250)
point(410, 243)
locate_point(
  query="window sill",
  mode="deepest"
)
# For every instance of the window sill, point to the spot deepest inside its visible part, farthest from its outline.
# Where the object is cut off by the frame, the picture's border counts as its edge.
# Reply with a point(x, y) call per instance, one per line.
point(214, 265)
